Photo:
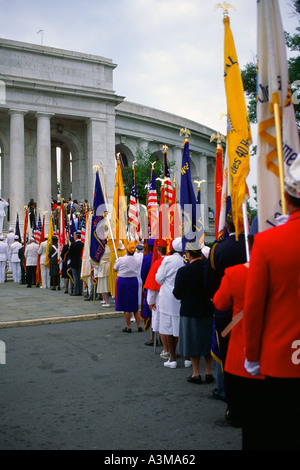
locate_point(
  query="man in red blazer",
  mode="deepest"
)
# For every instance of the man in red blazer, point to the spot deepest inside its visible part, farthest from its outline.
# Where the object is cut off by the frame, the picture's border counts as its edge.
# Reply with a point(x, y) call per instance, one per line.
point(272, 321)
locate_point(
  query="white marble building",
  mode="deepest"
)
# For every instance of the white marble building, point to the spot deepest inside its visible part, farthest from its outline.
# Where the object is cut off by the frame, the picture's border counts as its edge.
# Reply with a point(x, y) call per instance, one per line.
point(56, 99)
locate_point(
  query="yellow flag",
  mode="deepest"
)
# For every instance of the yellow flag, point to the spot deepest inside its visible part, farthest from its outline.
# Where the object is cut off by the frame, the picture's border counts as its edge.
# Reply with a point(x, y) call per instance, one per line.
point(49, 242)
point(119, 211)
point(238, 132)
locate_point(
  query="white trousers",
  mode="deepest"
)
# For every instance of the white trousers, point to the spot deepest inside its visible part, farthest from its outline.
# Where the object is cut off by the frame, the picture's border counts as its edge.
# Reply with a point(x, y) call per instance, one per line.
point(45, 277)
point(1, 223)
point(16, 271)
point(2, 271)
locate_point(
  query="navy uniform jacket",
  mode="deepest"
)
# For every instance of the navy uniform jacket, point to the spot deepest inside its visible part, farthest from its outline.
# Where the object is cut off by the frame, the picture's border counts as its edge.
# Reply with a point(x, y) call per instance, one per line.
point(75, 254)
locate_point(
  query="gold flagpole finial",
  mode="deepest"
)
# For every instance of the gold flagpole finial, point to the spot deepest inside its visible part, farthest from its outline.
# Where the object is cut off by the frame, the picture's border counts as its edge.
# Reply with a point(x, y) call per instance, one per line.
point(153, 165)
point(133, 164)
point(199, 182)
point(225, 7)
point(165, 148)
point(219, 138)
point(25, 207)
point(118, 156)
point(96, 167)
point(185, 132)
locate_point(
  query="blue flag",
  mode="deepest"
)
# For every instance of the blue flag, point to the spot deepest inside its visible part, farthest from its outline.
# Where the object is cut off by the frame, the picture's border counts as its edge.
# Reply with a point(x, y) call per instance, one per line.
point(17, 230)
point(98, 238)
point(192, 226)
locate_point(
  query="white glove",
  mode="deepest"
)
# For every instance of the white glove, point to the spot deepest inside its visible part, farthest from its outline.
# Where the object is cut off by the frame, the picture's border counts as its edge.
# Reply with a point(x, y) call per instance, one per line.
point(252, 367)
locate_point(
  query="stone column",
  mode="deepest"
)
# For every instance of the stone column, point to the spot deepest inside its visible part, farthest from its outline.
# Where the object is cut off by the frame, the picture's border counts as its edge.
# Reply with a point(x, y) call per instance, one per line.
point(53, 173)
point(44, 164)
point(96, 132)
point(17, 165)
point(204, 189)
point(65, 173)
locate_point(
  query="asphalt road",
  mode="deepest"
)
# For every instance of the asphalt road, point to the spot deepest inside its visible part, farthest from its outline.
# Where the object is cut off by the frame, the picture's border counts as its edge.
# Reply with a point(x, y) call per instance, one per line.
point(88, 386)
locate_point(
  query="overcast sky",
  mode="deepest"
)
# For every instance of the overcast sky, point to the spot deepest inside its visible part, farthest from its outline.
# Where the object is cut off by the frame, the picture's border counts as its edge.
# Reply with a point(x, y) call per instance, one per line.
point(169, 52)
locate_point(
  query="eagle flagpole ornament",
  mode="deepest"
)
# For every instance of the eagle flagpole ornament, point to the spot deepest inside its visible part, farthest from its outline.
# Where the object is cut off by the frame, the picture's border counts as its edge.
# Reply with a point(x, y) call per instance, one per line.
point(225, 7)
point(219, 138)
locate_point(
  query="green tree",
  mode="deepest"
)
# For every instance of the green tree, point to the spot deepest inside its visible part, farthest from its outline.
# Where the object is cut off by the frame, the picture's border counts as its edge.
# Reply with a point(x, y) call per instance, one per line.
point(249, 72)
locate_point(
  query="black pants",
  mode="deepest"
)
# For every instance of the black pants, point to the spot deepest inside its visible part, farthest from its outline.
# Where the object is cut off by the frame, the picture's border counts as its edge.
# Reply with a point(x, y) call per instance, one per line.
point(30, 275)
point(270, 413)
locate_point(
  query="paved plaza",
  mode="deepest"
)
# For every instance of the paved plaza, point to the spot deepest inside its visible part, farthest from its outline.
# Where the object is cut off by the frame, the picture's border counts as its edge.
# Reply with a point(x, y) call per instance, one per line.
point(72, 380)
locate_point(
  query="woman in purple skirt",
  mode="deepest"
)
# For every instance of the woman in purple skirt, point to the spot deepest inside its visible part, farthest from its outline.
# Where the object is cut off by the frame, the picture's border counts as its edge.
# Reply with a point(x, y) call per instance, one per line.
point(127, 287)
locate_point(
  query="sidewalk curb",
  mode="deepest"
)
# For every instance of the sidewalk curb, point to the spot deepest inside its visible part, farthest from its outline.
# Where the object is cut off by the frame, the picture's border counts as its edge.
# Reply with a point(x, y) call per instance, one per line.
point(47, 321)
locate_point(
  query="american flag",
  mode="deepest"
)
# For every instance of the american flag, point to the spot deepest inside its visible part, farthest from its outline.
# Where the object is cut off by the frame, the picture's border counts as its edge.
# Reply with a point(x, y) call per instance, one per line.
point(134, 213)
point(153, 207)
point(37, 231)
point(167, 184)
point(83, 228)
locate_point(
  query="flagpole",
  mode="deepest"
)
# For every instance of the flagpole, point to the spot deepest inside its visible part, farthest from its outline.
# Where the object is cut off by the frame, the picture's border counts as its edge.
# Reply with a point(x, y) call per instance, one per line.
point(275, 100)
point(246, 229)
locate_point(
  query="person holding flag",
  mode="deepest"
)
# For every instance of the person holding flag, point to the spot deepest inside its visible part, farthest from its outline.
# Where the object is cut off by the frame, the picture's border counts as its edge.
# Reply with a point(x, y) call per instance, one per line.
point(13, 254)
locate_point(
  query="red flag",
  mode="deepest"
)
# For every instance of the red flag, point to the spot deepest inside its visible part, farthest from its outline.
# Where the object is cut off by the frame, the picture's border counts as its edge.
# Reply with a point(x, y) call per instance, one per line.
point(38, 276)
point(24, 236)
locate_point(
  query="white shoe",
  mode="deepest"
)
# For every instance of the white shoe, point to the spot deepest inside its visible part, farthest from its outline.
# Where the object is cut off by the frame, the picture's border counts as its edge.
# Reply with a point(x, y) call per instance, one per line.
point(103, 301)
point(187, 363)
point(170, 364)
point(164, 355)
point(105, 305)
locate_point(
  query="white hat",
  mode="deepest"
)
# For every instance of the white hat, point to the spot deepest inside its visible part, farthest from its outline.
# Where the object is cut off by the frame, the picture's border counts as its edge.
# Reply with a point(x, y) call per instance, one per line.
point(32, 239)
point(1, 237)
point(292, 179)
point(16, 237)
point(10, 229)
point(177, 244)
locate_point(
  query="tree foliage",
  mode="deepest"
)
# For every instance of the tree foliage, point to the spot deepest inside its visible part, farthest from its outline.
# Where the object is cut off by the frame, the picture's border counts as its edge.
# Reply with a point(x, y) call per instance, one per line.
point(250, 69)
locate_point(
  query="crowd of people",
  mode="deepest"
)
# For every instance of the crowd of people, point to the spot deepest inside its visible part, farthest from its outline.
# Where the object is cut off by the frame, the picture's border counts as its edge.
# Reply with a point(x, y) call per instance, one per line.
point(200, 302)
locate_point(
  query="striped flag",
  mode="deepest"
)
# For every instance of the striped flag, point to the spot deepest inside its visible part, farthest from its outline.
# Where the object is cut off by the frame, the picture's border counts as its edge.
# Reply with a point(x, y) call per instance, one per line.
point(83, 228)
point(272, 88)
point(168, 183)
point(153, 207)
point(134, 212)
point(37, 231)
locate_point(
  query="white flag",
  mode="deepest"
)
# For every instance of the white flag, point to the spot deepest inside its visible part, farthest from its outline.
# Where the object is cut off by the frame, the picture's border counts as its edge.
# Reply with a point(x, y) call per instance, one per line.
point(272, 86)
point(225, 200)
point(86, 262)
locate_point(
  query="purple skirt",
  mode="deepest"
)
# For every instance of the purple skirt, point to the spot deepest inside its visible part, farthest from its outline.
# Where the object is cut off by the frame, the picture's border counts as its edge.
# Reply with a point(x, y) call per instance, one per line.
point(127, 289)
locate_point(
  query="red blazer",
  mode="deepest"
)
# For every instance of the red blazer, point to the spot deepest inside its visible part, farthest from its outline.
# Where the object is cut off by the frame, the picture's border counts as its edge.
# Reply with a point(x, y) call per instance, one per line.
point(231, 295)
point(272, 300)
